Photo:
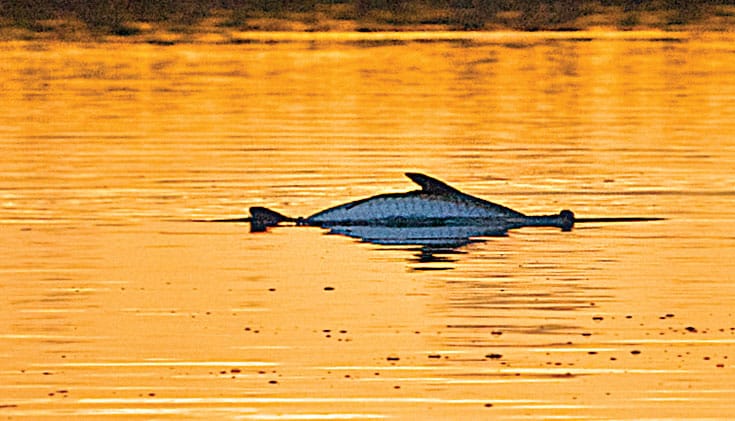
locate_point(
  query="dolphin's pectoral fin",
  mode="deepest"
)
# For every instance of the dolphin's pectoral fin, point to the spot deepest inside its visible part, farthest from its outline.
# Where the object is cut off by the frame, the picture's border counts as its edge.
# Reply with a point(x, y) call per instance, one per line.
point(431, 185)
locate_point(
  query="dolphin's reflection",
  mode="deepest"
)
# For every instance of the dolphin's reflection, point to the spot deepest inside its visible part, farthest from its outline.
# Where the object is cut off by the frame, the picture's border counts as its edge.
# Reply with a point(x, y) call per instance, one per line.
point(433, 254)
point(434, 247)
point(441, 237)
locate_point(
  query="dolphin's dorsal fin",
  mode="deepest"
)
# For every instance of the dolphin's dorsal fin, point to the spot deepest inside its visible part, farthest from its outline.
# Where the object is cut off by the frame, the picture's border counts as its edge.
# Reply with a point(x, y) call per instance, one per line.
point(431, 185)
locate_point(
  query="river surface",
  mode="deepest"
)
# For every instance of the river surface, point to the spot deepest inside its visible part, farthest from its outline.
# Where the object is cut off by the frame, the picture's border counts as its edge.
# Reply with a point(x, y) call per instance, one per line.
point(115, 305)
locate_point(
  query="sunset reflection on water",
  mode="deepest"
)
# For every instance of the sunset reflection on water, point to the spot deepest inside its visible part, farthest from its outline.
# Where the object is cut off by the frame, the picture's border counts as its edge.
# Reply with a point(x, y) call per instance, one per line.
point(115, 304)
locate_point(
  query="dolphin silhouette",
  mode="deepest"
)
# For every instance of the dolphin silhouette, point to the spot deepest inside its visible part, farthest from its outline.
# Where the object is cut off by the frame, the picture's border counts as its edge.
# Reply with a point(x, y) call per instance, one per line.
point(436, 210)
point(435, 204)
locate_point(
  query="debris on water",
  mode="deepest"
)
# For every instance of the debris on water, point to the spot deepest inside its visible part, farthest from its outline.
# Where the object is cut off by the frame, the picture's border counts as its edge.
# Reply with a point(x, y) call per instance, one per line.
point(565, 375)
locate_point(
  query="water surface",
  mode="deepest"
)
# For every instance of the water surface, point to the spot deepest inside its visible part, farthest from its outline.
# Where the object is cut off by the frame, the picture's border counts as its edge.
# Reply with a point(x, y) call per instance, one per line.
point(115, 305)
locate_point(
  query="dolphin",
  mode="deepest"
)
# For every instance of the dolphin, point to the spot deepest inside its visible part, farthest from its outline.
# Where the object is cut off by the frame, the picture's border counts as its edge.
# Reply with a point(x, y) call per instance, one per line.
point(435, 204)
point(435, 215)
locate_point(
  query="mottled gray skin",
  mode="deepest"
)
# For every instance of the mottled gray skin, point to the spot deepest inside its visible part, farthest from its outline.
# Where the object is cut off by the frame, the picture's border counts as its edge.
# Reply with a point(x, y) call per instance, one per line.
point(436, 204)
point(436, 213)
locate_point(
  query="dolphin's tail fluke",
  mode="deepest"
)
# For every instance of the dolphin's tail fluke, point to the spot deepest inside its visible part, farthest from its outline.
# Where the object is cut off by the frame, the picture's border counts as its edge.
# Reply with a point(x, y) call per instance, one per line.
point(262, 218)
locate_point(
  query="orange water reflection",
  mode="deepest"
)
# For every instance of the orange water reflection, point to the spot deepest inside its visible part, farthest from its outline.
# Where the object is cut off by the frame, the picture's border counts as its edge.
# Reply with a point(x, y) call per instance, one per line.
point(113, 304)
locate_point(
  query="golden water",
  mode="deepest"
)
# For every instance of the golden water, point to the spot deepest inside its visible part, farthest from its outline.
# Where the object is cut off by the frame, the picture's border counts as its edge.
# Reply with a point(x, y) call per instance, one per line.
point(114, 305)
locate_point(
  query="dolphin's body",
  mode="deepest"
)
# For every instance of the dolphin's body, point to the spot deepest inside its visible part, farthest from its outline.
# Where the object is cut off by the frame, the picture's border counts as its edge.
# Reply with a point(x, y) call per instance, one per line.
point(435, 205)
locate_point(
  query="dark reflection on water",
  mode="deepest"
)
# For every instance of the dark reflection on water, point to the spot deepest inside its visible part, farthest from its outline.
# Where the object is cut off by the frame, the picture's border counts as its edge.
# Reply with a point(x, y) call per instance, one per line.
point(436, 254)
point(433, 237)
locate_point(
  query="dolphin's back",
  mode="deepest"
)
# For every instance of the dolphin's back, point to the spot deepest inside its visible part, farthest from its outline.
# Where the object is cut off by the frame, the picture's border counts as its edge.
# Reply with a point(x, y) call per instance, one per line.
point(434, 201)
point(410, 206)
